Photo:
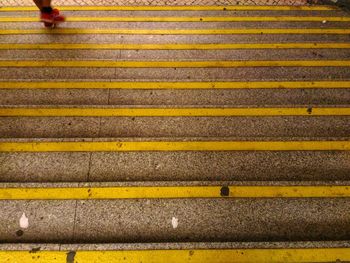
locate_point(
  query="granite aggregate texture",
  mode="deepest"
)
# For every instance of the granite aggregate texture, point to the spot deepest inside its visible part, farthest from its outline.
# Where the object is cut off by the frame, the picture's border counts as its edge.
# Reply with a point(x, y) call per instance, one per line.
point(146, 223)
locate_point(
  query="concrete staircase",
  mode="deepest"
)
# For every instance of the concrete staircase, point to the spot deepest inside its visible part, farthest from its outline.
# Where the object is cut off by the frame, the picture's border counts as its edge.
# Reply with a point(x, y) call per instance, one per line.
point(175, 134)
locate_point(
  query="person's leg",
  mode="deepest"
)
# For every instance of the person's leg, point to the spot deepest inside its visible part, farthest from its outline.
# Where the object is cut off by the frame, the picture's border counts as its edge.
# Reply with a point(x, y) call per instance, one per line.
point(46, 6)
point(39, 4)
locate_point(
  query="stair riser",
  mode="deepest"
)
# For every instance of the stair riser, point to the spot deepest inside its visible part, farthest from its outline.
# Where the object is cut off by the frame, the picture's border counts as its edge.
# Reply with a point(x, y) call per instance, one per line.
point(175, 166)
point(150, 220)
point(263, 54)
point(277, 97)
point(166, 74)
point(240, 127)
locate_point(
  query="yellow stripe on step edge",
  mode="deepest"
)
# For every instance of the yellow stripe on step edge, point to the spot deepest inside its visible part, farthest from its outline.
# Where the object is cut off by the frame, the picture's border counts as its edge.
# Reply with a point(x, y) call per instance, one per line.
point(177, 85)
point(65, 46)
point(129, 146)
point(82, 193)
point(170, 112)
point(172, 64)
point(256, 31)
point(190, 19)
point(289, 255)
point(177, 8)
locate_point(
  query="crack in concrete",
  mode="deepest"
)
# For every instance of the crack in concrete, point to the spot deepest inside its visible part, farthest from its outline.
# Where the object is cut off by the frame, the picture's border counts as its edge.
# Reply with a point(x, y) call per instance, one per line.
point(89, 168)
point(75, 219)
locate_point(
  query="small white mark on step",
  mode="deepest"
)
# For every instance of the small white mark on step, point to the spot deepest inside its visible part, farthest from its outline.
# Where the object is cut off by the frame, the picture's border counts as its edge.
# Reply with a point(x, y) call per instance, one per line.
point(324, 21)
point(23, 221)
point(175, 222)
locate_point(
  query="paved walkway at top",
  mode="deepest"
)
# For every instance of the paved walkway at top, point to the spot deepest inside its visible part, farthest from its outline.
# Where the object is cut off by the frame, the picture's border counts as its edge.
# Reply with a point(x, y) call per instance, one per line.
point(162, 2)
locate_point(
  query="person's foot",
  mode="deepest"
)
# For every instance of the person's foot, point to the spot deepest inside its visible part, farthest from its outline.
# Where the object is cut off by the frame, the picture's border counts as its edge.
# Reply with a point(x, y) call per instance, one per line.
point(53, 17)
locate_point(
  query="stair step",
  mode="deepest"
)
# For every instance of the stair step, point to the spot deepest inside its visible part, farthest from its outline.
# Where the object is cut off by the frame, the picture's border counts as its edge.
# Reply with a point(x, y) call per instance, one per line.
point(151, 220)
point(187, 19)
point(215, 31)
point(174, 166)
point(239, 127)
point(177, 8)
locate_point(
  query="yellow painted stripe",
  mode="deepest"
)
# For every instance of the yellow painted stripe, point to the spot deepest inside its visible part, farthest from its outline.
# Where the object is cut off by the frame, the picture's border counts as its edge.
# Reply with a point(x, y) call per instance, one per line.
point(176, 8)
point(80, 193)
point(177, 85)
point(61, 46)
point(173, 64)
point(300, 255)
point(170, 112)
point(191, 19)
point(78, 31)
point(129, 146)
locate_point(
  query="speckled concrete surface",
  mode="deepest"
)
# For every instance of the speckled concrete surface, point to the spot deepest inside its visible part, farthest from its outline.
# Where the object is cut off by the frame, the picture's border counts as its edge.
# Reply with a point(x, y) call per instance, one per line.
point(181, 25)
point(42, 167)
point(77, 13)
point(180, 74)
point(175, 166)
point(159, 39)
point(276, 54)
point(53, 220)
point(209, 220)
point(248, 127)
point(295, 166)
point(150, 220)
point(53, 97)
point(237, 97)
point(182, 245)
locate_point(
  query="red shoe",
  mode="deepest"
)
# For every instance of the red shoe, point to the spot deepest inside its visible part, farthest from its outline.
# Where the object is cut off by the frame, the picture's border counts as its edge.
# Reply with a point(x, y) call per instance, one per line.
point(52, 18)
point(56, 12)
point(58, 17)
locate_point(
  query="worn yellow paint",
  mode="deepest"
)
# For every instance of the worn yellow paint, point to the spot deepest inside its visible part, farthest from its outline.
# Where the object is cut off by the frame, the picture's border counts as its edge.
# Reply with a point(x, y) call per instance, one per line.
point(170, 112)
point(238, 31)
point(65, 46)
point(131, 146)
point(173, 64)
point(176, 8)
point(296, 255)
point(190, 19)
point(141, 192)
point(176, 85)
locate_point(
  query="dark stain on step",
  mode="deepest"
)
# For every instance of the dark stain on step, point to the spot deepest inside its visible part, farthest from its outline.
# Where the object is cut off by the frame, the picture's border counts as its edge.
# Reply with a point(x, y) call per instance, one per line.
point(35, 249)
point(225, 191)
point(19, 233)
point(309, 110)
point(70, 256)
point(317, 54)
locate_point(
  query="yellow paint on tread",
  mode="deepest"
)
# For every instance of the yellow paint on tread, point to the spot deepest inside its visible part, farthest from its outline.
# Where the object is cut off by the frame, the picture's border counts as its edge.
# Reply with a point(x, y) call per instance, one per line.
point(190, 19)
point(170, 112)
point(82, 193)
point(177, 8)
point(137, 146)
point(177, 85)
point(300, 255)
point(238, 31)
point(172, 64)
point(65, 46)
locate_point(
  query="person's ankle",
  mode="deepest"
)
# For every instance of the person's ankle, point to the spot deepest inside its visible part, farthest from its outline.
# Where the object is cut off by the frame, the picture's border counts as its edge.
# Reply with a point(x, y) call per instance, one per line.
point(46, 9)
